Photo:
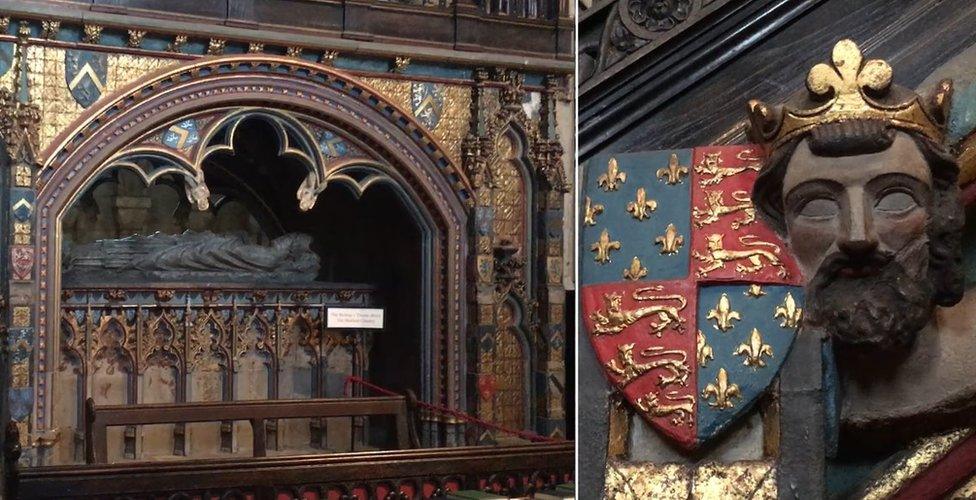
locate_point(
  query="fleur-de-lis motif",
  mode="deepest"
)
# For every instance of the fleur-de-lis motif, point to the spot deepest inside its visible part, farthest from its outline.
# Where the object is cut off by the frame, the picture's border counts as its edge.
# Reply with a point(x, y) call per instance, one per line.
point(603, 247)
point(705, 352)
point(641, 207)
point(611, 180)
point(723, 314)
point(754, 350)
point(590, 211)
point(673, 172)
point(722, 390)
point(847, 76)
point(670, 241)
point(789, 312)
point(755, 291)
point(636, 271)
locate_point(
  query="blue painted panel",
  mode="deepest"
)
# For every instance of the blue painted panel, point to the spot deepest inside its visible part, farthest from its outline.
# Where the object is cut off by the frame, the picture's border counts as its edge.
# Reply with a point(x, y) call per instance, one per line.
point(752, 380)
point(636, 237)
point(962, 117)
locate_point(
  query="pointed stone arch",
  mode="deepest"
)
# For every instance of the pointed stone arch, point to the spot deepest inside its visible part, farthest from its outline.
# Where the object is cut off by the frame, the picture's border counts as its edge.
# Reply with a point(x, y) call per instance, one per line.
point(277, 89)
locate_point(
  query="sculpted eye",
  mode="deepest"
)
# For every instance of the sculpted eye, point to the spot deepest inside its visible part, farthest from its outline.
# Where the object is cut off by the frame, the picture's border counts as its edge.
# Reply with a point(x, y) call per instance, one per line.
point(895, 202)
point(820, 208)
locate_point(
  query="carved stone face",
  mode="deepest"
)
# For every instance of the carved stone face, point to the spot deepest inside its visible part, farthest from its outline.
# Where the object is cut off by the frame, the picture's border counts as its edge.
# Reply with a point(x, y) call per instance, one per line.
point(858, 227)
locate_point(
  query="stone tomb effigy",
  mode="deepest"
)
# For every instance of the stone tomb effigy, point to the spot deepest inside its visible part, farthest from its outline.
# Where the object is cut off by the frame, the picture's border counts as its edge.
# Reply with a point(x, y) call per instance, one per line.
point(202, 317)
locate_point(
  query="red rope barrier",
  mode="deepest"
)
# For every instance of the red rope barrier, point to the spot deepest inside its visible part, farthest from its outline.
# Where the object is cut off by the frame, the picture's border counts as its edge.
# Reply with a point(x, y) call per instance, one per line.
point(527, 435)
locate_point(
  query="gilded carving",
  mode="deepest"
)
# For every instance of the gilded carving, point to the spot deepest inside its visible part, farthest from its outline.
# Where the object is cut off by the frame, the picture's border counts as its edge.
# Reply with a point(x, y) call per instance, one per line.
point(641, 207)
point(92, 33)
point(177, 44)
point(711, 165)
point(755, 291)
point(672, 173)
point(679, 407)
point(723, 314)
point(754, 350)
point(22, 233)
point(590, 211)
point(670, 241)
point(328, 57)
point(135, 38)
point(704, 351)
point(603, 247)
point(756, 258)
point(611, 180)
point(21, 316)
point(636, 270)
point(216, 46)
point(672, 361)
point(255, 47)
point(50, 28)
point(789, 312)
point(400, 64)
point(715, 208)
point(722, 391)
point(294, 51)
point(614, 319)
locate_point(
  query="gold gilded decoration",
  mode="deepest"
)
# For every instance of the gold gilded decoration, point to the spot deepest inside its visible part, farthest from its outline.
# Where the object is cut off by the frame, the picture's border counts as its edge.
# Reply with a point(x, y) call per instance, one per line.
point(614, 318)
point(705, 352)
point(177, 44)
point(722, 391)
point(611, 180)
point(22, 175)
point(216, 46)
point(21, 316)
point(670, 241)
point(603, 247)
point(966, 491)
point(789, 312)
point(723, 314)
point(711, 164)
point(754, 350)
point(716, 208)
point(673, 172)
point(328, 57)
point(504, 364)
point(4, 23)
point(46, 84)
point(619, 427)
point(20, 375)
point(400, 64)
point(255, 47)
point(851, 89)
point(135, 38)
point(718, 255)
point(636, 271)
point(755, 291)
point(508, 195)
point(630, 480)
point(922, 455)
point(294, 51)
point(641, 207)
point(49, 29)
point(679, 408)
point(627, 369)
point(486, 314)
point(753, 480)
point(22, 233)
point(92, 33)
point(590, 211)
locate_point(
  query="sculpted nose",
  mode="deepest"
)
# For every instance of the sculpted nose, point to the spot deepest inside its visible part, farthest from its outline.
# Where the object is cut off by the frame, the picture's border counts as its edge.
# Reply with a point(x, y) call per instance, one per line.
point(860, 239)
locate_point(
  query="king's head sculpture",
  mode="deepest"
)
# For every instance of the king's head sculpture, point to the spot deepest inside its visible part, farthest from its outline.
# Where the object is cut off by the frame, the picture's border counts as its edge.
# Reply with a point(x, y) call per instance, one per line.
point(858, 179)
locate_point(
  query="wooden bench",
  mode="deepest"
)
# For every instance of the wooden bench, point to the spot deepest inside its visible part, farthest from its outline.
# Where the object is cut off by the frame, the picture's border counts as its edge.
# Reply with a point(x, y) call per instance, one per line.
point(99, 418)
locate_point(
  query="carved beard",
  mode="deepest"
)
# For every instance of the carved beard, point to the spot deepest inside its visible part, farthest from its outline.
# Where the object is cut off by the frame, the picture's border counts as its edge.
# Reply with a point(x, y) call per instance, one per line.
point(884, 309)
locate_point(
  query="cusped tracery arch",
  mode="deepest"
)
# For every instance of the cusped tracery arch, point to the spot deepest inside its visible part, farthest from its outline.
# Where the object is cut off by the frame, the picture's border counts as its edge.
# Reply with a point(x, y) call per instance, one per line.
point(301, 101)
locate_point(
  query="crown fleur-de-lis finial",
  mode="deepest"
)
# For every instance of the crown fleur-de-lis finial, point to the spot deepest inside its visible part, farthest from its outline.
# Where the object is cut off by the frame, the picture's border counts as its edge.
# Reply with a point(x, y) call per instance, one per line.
point(848, 76)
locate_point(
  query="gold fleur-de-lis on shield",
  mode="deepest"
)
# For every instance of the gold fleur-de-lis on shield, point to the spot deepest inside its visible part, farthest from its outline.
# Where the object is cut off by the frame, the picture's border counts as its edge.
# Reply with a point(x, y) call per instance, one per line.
point(636, 270)
point(670, 241)
point(611, 180)
point(723, 314)
point(673, 172)
point(754, 350)
point(590, 211)
point(789, 312)
point(641, 207)
point(603, 246)
point(722, 390)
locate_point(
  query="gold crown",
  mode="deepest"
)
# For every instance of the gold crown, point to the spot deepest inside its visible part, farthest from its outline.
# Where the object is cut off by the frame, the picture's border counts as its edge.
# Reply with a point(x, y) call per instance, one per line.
point(851, 89)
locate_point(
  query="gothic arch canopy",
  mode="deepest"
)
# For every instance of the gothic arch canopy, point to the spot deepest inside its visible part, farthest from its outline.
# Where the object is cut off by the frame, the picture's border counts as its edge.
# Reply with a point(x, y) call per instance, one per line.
point(114, 132)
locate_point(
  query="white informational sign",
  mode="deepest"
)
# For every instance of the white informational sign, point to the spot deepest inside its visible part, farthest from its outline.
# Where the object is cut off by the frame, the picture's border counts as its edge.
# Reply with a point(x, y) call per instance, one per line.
point(354, 317)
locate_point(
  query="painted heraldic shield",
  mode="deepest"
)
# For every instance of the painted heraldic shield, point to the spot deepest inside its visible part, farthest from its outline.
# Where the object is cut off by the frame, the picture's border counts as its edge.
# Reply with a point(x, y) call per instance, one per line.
point(691, 303)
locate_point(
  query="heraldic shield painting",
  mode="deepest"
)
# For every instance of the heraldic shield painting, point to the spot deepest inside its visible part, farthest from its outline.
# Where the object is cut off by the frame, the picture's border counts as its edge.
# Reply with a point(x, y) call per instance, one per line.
point(690, 301)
